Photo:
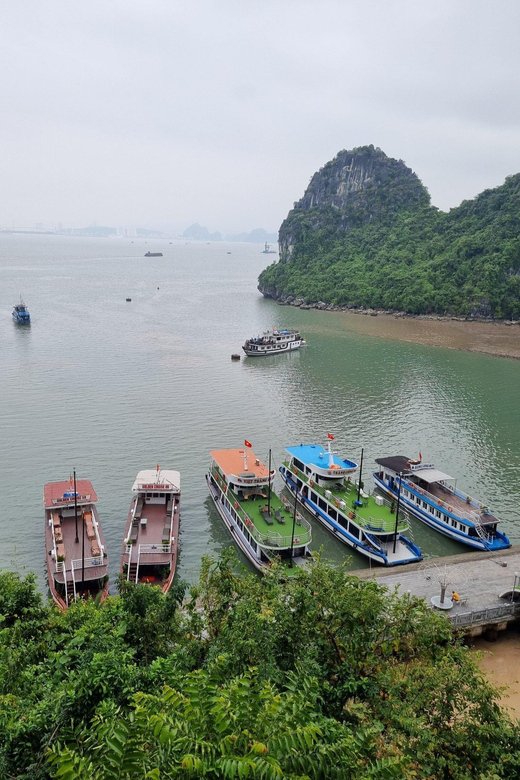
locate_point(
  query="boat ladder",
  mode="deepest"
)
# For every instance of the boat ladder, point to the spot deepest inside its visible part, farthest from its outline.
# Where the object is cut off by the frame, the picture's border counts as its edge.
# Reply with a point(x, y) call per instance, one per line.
point(70, 587)
point(132, 572)
point(486, 538)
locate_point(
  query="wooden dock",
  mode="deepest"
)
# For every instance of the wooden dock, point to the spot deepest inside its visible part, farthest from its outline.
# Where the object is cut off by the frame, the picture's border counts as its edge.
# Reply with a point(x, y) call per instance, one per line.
point(485, 583)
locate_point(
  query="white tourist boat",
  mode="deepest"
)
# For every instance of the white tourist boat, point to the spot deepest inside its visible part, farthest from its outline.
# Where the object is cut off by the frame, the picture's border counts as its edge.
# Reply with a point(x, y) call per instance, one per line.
point(273, 342)
point(261, 524)
point(432, 497)
point(322, 482)
point(152, 528)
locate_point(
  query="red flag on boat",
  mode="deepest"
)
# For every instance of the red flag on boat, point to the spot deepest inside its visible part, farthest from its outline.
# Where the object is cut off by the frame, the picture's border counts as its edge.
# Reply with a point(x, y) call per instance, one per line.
point(420, 456)
point(330, 436)
point(247, 443)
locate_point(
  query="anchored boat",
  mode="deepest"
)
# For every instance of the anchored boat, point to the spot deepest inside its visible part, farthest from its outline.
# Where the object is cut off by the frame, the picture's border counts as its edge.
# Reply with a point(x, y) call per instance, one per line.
point(322, 483)
point(273, 342)
point(77, 563)
point(263, 526)
point(152, 528)
point(432, 497)
point(21, 314)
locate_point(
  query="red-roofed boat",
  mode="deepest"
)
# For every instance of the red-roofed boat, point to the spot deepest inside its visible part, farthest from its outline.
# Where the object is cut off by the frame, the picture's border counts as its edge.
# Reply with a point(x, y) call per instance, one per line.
point(77, 562)
point(152, 528)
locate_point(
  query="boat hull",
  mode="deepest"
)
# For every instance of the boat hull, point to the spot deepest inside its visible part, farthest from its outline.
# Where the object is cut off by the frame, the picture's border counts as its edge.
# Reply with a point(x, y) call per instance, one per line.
point(476, 543)
point(409, 553)
point(277, 350)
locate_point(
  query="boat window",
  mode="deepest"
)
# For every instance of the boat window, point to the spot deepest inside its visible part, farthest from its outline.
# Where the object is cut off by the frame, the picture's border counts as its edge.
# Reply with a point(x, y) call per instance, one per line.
point(299, 464)
point(425, 505)
point(438, 512)
point(322, 504)
point(313, 497)
point(354, 530)
point(333, 513)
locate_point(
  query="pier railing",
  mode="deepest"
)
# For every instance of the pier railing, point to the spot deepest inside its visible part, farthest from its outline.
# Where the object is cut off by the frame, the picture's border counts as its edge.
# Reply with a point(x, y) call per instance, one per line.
point(150, 549)
point(366, 521)
point(485, 616)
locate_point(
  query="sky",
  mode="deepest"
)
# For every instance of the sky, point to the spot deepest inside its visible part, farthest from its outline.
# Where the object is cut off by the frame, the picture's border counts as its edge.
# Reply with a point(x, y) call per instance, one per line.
point(159, 114)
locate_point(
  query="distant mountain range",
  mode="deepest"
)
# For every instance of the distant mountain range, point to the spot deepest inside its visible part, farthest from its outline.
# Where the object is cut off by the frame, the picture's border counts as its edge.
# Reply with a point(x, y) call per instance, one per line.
point(198, 232)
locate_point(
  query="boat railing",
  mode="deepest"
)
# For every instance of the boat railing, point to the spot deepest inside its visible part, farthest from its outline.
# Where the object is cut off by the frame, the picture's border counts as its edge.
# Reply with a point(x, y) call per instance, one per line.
point(368, 522)
point(151, 549)
point(472, 513)
point(87, 563)
point(302, 531)
point(60, 566)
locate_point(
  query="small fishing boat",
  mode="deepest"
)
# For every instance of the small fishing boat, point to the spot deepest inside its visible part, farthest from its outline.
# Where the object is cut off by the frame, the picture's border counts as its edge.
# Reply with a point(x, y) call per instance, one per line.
point(153, 254)
point(267, 249)
point(273, 342)
point(432, 497)
point(152, 528)
point(322, 483)
point(77, 562)
point(263, 526)
point(21, 314)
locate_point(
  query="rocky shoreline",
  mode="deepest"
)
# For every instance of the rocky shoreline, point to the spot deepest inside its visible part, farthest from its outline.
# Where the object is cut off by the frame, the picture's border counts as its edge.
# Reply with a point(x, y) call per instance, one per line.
point(322, 306)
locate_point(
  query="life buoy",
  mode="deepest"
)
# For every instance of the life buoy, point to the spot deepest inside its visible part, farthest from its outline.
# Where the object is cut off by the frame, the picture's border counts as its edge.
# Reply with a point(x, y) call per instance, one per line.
point(450, 509)
point(235, 505)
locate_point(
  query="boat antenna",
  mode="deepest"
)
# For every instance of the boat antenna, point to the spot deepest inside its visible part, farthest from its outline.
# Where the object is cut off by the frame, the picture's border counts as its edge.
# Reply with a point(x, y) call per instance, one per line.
point(75, 505)
point(358, 502)
point(294, 521)
point(331, 456)
point(269, 486)
point(397, 509)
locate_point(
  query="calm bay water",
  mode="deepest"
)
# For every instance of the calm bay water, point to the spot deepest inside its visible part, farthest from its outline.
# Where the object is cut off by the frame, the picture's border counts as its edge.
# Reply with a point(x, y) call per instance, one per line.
point(111, 387)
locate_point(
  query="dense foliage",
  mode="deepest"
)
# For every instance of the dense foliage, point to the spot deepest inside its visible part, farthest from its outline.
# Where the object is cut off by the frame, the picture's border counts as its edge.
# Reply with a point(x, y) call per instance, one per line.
point(325, 676)
point(465, 262)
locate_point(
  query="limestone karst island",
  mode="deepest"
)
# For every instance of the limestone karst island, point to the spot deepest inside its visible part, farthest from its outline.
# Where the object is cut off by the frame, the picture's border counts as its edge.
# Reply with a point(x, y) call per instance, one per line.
point(365, 235)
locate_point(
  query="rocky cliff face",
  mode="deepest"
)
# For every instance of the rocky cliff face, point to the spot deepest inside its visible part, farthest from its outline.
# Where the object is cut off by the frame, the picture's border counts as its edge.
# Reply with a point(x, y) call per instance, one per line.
point(356, 187)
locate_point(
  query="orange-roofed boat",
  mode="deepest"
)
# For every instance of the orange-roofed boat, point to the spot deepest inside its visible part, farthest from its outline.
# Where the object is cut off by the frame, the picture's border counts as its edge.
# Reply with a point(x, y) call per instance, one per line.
point(152, 528)
point(264, 526)
point(77, 562)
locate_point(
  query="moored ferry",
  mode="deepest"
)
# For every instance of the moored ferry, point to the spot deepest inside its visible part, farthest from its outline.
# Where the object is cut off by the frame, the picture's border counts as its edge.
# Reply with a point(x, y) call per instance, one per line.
point(273, 342)
point(323, 484)
point(263, 526)
point(432, 497)
point(77, 563)
point(152, 528)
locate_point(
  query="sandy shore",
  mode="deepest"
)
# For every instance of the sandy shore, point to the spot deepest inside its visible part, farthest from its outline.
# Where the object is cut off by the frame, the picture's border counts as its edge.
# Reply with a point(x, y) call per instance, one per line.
point(500, 664)
point(492, 338)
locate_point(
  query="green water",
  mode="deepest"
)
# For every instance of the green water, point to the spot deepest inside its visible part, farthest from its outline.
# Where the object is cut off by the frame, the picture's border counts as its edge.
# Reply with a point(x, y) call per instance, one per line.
point(111, 387)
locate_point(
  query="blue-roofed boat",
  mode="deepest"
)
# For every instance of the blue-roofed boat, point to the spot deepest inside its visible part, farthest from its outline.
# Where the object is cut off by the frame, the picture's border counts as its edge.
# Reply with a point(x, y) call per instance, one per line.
point(433, 497)
point(21, 313)
point(371, 525)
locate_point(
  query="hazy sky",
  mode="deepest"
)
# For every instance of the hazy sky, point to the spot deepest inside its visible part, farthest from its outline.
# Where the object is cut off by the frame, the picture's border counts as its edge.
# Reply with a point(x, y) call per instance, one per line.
point(163, 113)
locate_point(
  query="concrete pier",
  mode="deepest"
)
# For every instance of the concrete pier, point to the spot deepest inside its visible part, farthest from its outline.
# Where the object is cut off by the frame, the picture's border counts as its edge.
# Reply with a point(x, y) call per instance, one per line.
point(485, 582)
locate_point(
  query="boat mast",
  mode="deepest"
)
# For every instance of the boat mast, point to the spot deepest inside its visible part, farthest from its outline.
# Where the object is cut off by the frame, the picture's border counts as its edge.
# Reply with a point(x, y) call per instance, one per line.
point(294, 520)
point(397, 510)
point(269, 486)
point(331, 456)
point(358, 502)
point(75, 505)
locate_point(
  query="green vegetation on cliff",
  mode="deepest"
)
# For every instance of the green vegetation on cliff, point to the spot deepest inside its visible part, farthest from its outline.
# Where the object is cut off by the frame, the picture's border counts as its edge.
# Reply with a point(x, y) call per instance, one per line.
point(383, 246)
point(325, 676)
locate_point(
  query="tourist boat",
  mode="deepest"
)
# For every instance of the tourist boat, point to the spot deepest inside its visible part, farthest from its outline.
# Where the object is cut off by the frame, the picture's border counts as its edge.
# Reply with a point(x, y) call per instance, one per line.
point(273, 342)
point(21, 314)
point(153, 254)
point(77, 562)
point(322, 482)
point(152, 528)
point(432, 497)
point(263, 526)
point(267, 249)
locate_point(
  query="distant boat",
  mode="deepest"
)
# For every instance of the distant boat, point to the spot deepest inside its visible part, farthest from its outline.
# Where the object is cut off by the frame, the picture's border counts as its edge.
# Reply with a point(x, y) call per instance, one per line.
point(152, 528)
point(267, 249)
point(21, 313)
point(77, 563)
point(153, 254)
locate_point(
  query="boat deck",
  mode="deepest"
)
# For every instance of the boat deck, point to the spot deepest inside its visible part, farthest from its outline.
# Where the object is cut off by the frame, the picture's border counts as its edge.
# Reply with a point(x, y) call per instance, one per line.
point(459, 506)
point(278, 522)
point(153, 530)
point(86, 548)
point(374, 518)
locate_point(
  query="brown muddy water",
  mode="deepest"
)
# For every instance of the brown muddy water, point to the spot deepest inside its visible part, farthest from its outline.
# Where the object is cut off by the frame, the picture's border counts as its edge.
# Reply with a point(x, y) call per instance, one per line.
point(492, 338)
point(500, 662)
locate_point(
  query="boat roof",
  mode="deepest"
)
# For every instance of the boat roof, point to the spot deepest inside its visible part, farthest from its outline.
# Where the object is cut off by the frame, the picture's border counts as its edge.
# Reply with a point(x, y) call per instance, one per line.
point(316, 455)
point(400, 463)
point(157, 479)
point(63, 492)
point(241, 462)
